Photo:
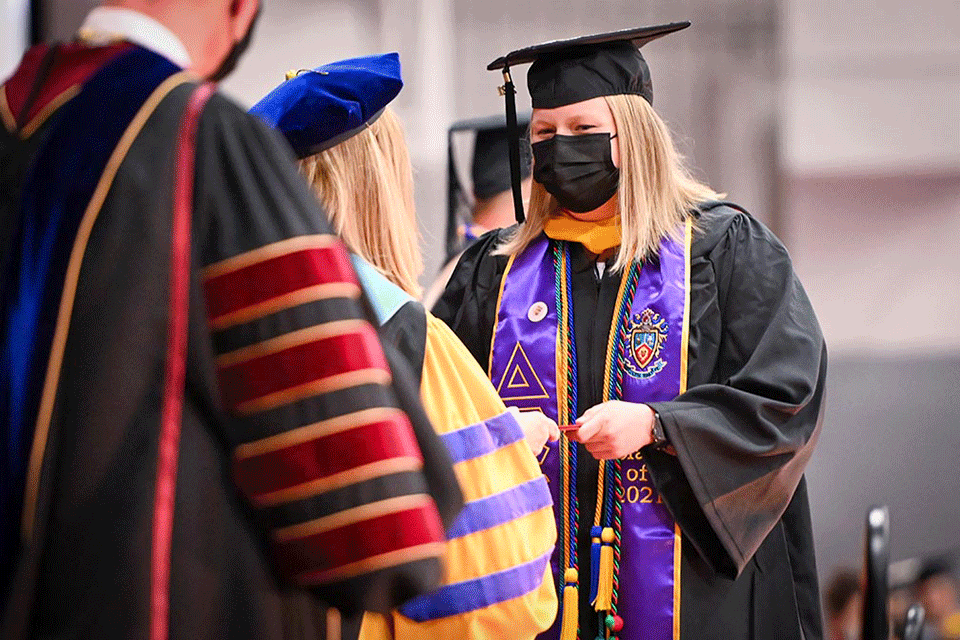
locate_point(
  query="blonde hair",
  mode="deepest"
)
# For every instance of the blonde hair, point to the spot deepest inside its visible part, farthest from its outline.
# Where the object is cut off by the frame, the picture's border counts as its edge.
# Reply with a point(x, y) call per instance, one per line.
point(365, 184)
point(656, 192)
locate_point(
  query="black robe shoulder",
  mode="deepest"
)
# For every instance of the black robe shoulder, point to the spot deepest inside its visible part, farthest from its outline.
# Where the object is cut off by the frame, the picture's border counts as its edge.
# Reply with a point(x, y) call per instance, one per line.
point(743, 431)
point(87, 568)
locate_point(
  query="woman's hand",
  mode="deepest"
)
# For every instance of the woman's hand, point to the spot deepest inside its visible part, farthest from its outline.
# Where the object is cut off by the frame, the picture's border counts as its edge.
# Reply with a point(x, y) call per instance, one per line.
point(614, 429)
point(537, 428)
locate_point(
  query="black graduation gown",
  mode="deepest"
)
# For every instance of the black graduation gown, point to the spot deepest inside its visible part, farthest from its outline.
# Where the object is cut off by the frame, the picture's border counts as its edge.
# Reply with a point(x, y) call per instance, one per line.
point(86, 569)
point(743, 432)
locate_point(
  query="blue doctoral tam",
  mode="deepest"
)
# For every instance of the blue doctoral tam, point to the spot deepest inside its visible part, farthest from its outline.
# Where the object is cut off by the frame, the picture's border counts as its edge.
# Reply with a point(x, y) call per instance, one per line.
point(316, 110)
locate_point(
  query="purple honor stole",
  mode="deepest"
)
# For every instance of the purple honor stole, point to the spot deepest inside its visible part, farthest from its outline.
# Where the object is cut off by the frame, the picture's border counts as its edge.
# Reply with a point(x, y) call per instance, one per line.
point(533, 366)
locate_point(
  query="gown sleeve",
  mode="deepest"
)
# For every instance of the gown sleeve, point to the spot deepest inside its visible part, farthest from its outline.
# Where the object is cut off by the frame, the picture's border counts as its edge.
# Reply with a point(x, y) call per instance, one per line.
point(743, 442)
point(497, 581)
point(469, 302)
point(437, 287)
point(319, 421)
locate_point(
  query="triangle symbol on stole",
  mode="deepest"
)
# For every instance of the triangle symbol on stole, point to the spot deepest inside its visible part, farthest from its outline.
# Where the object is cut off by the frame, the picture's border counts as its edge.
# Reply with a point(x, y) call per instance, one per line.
point(520, 379)
point(518, 384)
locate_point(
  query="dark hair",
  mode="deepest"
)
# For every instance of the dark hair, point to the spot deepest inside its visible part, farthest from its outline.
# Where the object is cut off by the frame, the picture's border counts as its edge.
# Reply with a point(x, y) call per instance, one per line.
point(934, 568)
point(841, 588)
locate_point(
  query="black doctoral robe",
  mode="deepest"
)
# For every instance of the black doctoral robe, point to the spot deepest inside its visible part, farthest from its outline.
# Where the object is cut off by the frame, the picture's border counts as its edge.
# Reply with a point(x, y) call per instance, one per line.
point(271, 296)
point(743, 431)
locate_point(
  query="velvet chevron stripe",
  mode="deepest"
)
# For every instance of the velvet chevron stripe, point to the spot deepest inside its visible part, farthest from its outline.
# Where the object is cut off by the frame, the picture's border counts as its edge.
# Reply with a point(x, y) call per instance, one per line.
point(494, 553)
point(498, 548)
point(310, 461)
point(329, 550)
point(493, 473)
point(238, 292)
point(482, 438)
point(289, 362)
point(501, 508)
point(481, 592)
point(321, 483)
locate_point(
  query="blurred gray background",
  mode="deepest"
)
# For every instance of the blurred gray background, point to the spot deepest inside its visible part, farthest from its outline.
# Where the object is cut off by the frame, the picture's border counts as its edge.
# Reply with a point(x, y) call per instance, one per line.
point(837, 123)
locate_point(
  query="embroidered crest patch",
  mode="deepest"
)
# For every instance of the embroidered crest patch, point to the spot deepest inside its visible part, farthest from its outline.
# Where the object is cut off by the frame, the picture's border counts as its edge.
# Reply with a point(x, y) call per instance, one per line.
point(646, 334)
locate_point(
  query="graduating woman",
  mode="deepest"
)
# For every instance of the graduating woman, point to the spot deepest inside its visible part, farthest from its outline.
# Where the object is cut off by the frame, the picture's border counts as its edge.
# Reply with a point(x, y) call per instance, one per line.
point(669, 331)
point(353, 153)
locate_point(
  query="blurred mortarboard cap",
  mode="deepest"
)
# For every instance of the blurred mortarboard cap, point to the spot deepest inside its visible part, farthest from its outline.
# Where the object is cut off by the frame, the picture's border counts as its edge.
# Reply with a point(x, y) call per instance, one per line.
point(489, 170)
point(934, 567)
point(320, 108)
point(490, 166)
point(569, 71)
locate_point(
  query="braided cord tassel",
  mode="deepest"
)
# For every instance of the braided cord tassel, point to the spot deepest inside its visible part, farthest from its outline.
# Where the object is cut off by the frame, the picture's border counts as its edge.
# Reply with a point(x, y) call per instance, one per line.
point(613, 511)
point(571, 398)
point(616, 624)
point(595, 533)
point(564, 444)
point(563, 530)
point(566, 401)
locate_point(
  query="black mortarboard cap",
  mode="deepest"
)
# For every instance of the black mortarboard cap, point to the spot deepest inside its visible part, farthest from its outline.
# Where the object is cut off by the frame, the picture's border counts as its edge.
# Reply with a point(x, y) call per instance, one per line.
point(933, 567)
point(489, 170)
point(490, 166)
point(569, 71)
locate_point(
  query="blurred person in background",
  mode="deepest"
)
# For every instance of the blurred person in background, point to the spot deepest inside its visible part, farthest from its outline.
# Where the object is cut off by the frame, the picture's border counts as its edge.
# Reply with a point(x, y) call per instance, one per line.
point(354, 154)
point(173, 462)
point(843, 605)
point(670, 337)
point(491, 204)
point(937, 590)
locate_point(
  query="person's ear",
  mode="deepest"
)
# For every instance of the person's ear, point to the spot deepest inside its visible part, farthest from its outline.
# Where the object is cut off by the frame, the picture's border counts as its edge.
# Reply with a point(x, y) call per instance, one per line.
point(242, 13)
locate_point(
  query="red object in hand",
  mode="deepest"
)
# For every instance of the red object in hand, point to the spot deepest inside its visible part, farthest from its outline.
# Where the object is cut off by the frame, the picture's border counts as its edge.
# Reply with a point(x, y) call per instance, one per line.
point(569, 427)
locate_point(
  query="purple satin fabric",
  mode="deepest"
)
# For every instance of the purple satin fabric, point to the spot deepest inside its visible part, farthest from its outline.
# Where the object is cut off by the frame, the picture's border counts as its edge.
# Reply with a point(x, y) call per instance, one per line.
point(523, 365)
point(529, 346)
point(651, 372)
point(647, 571)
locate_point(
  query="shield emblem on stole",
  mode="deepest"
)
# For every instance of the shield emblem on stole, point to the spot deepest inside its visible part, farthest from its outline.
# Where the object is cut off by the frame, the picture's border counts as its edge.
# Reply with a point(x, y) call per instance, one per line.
point(647, 332)
point(645, 347)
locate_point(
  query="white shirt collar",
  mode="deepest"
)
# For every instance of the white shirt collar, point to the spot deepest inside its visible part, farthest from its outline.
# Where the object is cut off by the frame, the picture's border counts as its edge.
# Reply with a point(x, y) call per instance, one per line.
point(601, 268)
point(108, 23)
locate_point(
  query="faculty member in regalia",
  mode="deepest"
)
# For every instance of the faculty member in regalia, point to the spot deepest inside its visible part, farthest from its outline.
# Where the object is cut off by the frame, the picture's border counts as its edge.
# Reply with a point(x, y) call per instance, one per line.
point(201, 436)
point(354, 154)
point(668, 330)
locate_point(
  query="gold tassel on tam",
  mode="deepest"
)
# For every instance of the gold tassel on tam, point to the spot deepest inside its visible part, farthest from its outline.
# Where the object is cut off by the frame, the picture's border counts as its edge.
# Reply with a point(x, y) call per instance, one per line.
point(605, 579)
point(570, 624)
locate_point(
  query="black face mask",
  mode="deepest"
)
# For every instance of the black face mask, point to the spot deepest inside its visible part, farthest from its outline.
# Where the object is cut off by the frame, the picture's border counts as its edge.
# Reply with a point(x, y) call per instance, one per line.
point(239, 48)
point(577, 170)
